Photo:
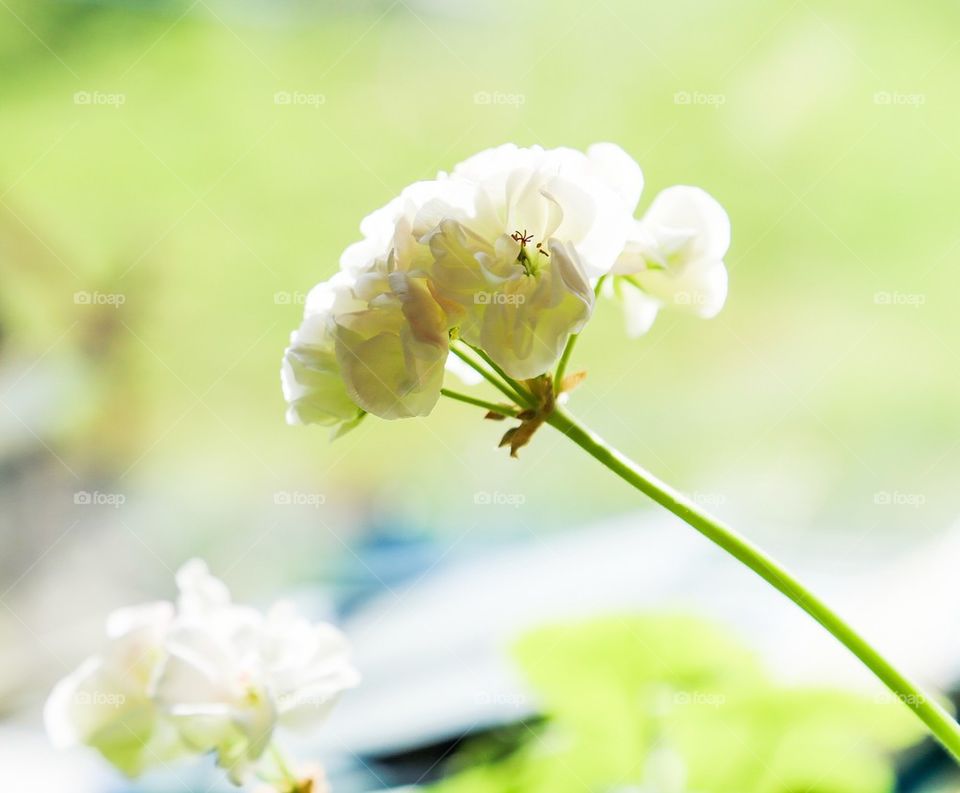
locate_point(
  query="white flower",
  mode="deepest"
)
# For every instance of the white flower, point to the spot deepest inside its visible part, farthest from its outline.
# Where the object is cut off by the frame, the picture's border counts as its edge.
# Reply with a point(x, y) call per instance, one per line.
point(512, 270)
point(312, 383)
point(232, 675)
point(499, 253)
point(107, 702)
point(674, 257)
point(390, 336)
point(208, 676)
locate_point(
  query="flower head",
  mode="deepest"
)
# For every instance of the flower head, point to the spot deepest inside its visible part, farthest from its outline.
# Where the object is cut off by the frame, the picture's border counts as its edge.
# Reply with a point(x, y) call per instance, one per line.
point(205, 676)
point(500, 254)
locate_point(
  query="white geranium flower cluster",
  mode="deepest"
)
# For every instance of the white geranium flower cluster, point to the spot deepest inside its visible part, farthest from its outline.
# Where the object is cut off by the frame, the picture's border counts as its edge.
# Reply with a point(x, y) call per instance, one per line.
point(503, 253)
point(202, 676)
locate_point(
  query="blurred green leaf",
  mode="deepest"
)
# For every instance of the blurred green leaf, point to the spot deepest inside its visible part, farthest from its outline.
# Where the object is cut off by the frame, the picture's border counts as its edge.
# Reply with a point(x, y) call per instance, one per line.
point(668, 704)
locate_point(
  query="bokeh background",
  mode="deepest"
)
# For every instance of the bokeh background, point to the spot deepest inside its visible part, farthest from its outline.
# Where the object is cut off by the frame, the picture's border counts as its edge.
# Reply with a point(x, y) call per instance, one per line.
point(175, 176)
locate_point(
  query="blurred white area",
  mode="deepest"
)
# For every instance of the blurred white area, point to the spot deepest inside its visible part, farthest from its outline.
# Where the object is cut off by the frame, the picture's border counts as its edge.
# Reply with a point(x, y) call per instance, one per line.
point(435, 657)
point(435, 654)
point(29, 765)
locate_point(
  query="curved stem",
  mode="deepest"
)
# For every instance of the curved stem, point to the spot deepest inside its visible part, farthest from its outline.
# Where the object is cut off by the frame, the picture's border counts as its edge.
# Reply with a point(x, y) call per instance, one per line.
point(522, 392)
point(564, 360)
point(286, 773)
point(571, 343)
point(503, 410)
point(943, 726)
point(487, 375)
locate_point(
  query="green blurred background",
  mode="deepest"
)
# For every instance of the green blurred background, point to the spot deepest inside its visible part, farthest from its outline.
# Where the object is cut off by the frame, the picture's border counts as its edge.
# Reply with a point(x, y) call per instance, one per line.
point(174, 177)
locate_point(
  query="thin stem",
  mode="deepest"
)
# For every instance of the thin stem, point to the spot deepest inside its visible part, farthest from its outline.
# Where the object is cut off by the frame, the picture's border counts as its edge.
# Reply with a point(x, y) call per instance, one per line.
point(283, 766)
point(571, 343)
point(487, 375)
point(564, 360)
point(521, 391)
point(503, 410)
point(941, 724)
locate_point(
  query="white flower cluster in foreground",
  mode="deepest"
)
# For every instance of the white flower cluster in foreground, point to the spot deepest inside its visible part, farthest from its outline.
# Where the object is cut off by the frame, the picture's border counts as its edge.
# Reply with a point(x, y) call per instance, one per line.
point(504, 253)
point(202, 676)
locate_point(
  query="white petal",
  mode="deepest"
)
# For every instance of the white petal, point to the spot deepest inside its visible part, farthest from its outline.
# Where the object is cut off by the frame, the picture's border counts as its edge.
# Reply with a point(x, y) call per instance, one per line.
point(620, 171)
point(640, 310)
point(391, 367)
point(699, 288)
point(691, 211)
point(199, 590)
point(524, 330)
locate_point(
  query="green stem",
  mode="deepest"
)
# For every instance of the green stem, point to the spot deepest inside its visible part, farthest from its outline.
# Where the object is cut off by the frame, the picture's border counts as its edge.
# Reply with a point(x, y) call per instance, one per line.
point(571, 343)
point(520, 390)
point(487, 375)
point(503, 410)
point(564, 360)
point(943, 726)
point(283, 766)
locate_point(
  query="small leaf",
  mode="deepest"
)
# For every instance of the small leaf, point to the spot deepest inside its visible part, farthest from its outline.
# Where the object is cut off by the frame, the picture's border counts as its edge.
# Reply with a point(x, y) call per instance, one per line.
point(507, 437)
point(571, 381)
